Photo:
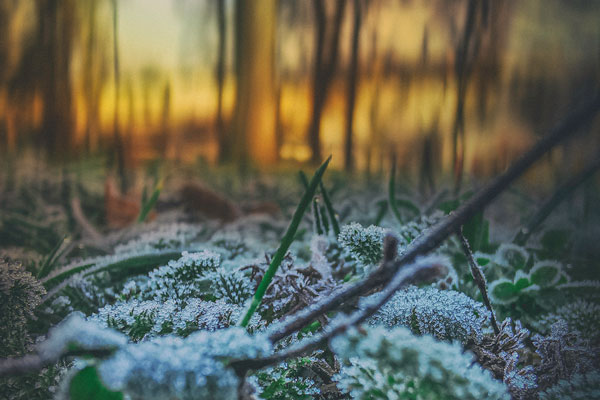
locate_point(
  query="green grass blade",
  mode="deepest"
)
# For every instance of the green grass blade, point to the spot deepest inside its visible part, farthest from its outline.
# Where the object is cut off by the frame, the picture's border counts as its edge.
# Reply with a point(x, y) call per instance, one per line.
point(286, 241)
point(392, 193)
point(317, 217)
point(330, 210)
point(49, 263)
point(303, 179)
point(148, 205)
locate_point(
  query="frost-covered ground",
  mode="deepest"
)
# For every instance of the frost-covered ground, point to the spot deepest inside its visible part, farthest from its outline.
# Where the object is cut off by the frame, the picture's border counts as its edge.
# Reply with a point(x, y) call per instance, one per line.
point(150, 311)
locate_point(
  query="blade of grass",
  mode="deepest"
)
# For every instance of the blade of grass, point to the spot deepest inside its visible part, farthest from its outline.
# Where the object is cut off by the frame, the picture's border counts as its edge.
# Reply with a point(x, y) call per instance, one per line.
point(286, 241)
point(317, 217)
point(148, 205)
point(49, 262)
point(392, 192)
point(303, 179)
point(330, 210)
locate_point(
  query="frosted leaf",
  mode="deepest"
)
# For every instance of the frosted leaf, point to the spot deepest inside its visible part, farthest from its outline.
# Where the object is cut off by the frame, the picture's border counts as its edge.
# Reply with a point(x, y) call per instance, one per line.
point(396, 364)
point(445, 314)
point(175, 368)
point(511, 256)
point(76, 331)
point(365, 244)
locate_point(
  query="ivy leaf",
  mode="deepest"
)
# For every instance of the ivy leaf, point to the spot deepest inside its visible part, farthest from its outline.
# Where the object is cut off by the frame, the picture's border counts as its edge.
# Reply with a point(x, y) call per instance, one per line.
point(86, 385)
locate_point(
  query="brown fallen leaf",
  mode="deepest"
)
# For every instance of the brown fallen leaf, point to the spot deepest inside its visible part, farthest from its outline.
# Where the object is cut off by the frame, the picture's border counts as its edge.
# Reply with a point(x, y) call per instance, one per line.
point(121, 209)
point(199, 198)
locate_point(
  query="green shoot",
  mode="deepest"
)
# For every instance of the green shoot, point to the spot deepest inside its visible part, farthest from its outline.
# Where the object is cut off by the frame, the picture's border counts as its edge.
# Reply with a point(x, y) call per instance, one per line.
point(149, 204)
point(286, 241)
point(50, 261)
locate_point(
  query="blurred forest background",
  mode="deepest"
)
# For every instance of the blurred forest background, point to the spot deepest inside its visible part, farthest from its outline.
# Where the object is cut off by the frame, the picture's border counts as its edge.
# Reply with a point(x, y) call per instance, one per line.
point(445, 86)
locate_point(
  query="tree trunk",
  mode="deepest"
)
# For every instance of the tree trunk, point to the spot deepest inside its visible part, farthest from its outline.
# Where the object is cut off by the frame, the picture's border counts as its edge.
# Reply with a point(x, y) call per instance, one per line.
point(352, 76)
point(253, 125)
point(325, 65)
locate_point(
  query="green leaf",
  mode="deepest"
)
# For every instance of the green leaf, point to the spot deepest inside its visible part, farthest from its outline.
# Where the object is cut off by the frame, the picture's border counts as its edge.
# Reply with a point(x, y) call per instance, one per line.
point(503, 291)
point(86, 385)
point(545, 273)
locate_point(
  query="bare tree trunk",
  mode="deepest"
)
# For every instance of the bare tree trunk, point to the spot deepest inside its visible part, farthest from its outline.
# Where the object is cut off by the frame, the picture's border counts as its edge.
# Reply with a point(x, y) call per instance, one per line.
point(165, 123)
point(118, 140)
point(220, 76)
point(325, 64)
point(464, 57)
point(352, 76)
point(252, 130)
point(57, 21)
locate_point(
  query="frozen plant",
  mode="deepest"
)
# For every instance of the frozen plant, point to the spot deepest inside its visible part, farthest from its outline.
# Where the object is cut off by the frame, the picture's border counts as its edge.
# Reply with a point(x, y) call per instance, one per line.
point(233, 287)
point(287, 381)
point(186, 277)
point(161, 237)
point(445, 314)
point(580, 316)
point(20, 294)
point(175, 368)
point(562, 355)
point(395, 364)
point(148, 318)
point(365, 244)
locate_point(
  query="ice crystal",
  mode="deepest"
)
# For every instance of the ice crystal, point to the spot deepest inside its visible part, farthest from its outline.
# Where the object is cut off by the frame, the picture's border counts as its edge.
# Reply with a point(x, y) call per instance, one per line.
point(578, 387)
point(445, 314)
point(397, 364)
point(20, 294)
point(76, 332)
point(365, 244)
point(175, 368)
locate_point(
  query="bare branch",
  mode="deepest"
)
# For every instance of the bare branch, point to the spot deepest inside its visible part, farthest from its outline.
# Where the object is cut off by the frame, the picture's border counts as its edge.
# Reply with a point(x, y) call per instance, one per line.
point(478, 277)
point(576, 119)
point(418, 271)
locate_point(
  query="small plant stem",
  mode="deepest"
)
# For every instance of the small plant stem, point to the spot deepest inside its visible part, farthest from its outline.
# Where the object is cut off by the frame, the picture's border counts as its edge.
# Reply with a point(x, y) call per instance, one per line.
point(558, 197)
point(478, 277)
point(286, 241)
point(148, 205)
point(330, 210)
point(392, 192)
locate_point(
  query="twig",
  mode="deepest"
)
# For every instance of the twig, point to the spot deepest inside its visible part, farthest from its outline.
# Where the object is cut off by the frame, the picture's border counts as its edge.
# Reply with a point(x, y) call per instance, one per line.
point(478, 277)
point(35, 362)
point(558, 197)
point(577, 118)
point(418, 271)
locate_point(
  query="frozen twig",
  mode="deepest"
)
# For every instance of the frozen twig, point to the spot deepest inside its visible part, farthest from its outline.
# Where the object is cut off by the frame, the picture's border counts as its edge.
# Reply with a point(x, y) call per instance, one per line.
point(478, 277)
point(577, 118)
